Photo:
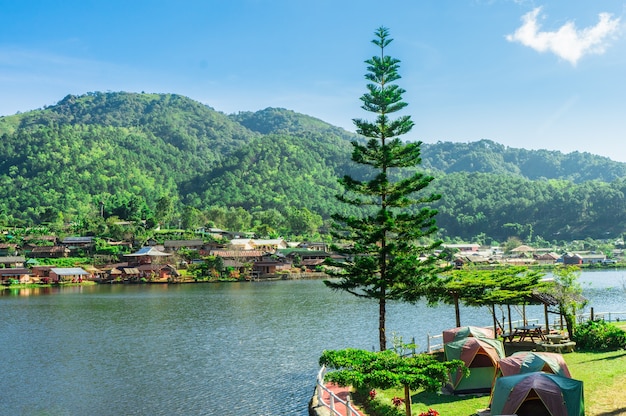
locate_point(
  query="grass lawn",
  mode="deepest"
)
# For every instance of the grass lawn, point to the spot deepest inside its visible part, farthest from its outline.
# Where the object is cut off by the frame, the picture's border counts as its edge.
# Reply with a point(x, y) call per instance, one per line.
point(603, 375)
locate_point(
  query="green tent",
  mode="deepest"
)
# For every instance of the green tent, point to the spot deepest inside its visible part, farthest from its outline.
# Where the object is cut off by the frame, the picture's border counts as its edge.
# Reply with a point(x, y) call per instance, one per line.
point(481, 356)
point(538, 394)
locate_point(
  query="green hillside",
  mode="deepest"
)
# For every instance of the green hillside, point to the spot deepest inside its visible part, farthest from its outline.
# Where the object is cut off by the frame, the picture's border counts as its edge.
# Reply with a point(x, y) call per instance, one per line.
point(166, 158)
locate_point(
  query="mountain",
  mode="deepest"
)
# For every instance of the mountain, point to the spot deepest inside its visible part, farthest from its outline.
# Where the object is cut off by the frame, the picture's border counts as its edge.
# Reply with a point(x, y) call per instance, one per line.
point(110, 147)
point(139, 156)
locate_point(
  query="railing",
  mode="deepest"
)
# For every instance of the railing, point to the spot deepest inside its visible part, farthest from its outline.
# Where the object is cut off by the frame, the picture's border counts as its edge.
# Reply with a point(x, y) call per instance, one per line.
point(592, 315)
point(434, 342)
point(333, 399)
point(519, 322)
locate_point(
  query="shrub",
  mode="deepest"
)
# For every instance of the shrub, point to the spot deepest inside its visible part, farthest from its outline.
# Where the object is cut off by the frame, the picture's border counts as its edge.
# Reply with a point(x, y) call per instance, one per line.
point(599, 336)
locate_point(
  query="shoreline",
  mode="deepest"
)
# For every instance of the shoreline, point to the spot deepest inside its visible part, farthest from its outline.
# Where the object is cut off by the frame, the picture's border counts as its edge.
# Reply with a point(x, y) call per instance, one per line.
point(95, 282)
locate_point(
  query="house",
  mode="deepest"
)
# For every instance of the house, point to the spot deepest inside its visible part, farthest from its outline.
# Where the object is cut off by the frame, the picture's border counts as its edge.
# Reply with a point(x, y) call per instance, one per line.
point(78, 244)
point(12, 261)
point(171, 246)
point(270, 245)
point(8, 249)
point(593, 258)
point(210, 246)
point(244, 256)
point(22, 274)
point(270, 265)
point(41, 272)
point(307, 258)
point(49, 252)
point(241, 244)
point(130, 273)
point(214, 232)
point(145, 255)
point(522, 251)
point(474, 260)
point(571, 259)
point(313, 246)
point(546, 258)
point(67, 274)
point(158, 271)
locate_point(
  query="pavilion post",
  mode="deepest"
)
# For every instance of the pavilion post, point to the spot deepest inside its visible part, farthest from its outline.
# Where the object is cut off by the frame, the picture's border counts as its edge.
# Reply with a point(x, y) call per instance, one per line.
point(508, 306)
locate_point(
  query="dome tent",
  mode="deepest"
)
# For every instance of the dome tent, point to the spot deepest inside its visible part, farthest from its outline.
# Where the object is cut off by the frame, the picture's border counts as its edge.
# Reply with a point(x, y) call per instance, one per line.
point(538, 394)
point(481, 356)
point(454, 334)
point(529, 361)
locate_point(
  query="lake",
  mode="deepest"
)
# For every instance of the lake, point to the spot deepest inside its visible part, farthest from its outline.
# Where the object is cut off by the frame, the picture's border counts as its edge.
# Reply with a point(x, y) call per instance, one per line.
point(202, 349)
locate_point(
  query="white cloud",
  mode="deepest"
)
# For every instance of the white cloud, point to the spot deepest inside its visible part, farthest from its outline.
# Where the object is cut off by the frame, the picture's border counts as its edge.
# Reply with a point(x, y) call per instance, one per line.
point(567, 42)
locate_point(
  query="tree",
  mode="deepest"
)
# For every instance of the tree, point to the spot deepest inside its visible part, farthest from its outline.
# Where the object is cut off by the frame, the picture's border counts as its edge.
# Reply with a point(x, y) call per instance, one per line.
point(164, 210)
point(302, 221)
point(388, 369)
point(390, 255)
point(505, 286)
point(568, 293)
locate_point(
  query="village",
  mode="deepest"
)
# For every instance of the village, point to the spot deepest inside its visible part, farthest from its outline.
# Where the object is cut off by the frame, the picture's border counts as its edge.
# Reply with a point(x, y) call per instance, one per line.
point(224, 255)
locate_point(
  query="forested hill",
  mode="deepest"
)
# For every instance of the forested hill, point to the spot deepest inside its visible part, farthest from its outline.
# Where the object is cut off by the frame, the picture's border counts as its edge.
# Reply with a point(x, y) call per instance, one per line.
point(165, 157)
point(487, 156)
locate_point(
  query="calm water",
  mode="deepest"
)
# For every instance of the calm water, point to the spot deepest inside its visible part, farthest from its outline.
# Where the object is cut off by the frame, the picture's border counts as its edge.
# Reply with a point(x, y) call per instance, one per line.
point(211, 349)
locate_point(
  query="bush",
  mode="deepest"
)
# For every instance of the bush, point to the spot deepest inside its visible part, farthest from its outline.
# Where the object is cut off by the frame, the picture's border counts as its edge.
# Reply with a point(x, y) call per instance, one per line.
point(599, 336)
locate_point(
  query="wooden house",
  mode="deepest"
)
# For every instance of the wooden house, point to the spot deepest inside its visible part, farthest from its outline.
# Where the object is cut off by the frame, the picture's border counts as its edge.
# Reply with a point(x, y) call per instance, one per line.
point(171, 246)
point(49, 252)
point(12, 261)
point(572, 259)
point(8, 249)
point(78, 244)
point(546, 258)
point(21, 274)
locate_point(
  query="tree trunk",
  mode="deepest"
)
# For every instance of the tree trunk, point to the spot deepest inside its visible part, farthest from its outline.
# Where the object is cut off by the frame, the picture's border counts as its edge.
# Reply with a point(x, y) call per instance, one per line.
point(382, 337)
point(570, 321)
point(407, 400)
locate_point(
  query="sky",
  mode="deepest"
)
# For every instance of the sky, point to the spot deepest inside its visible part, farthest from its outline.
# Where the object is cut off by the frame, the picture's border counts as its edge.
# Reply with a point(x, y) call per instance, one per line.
point(526, 74)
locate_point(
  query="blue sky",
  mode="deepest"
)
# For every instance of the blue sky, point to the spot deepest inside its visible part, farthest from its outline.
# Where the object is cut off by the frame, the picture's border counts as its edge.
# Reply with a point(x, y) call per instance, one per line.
point(528, 74)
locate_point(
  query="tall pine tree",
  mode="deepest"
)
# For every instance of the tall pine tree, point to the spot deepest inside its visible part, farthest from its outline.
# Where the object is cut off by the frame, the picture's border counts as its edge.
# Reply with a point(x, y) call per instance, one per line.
point(390, 252)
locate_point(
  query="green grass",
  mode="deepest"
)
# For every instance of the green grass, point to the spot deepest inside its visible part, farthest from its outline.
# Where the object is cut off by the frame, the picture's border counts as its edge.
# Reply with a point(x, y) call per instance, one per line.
point(603, 375)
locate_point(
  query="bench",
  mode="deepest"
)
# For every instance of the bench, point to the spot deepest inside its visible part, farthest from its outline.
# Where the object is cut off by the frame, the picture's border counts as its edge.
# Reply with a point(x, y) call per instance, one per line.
point(562, 347)
point(508, 336)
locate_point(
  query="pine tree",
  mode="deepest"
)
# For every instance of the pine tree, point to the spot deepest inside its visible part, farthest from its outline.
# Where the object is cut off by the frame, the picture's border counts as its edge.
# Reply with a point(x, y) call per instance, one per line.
point(390, 252)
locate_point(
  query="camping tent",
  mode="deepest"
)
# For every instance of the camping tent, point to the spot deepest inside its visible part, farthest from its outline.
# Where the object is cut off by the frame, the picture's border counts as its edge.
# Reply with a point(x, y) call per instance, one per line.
point(538, 394)
point(455, 334)
point(528, 362)
point(481, 356)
